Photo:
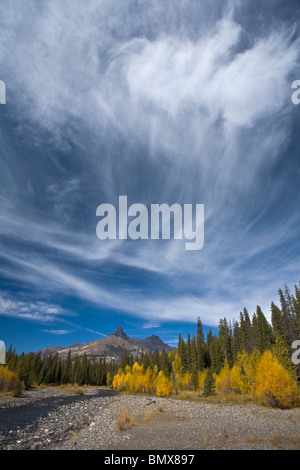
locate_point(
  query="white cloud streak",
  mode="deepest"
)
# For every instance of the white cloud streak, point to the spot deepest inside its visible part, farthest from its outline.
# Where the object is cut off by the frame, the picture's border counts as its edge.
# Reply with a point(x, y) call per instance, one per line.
point(40, 312)
point(209, 107)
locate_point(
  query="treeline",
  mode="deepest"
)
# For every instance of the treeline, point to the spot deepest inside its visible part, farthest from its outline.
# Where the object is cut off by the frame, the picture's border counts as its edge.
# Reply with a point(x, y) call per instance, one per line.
point(249, 356)
point(247, 334)
point(34, 370)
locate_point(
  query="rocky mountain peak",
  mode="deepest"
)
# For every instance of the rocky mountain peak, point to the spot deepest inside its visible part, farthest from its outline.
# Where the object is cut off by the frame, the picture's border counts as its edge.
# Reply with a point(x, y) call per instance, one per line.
point(120, 333)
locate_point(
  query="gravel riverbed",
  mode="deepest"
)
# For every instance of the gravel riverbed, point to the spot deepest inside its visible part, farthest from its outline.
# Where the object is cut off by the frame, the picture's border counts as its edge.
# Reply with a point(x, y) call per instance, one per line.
point(55, 419)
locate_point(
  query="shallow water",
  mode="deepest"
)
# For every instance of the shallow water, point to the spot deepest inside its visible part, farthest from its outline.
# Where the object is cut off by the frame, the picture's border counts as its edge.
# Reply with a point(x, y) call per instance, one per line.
point(16, 418)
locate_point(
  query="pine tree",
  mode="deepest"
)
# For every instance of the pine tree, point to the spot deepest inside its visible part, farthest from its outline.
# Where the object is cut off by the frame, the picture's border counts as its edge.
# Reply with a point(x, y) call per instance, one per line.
point(188, 353)
point(296, 306)
point(164, 363)
point(200, 346)
point(84, 371)
point(209, 384)
point(76, 369)
point(288, 300)
point(35, 368)
point(67, 369)
point(208, 348)
point(194, 377)
point(216, 355)
point(224, 341)
point(246, 335)
point(282, 353)
point(236, 340)
point(263, 333)
point(182, 353)
point(24, 368)
point(287, 314)
point(124, 360)
point(194, 356)
point(278, 323)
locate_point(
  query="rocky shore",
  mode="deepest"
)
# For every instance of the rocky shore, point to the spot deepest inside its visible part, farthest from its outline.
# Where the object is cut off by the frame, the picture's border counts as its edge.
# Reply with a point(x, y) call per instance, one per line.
point(57, 419)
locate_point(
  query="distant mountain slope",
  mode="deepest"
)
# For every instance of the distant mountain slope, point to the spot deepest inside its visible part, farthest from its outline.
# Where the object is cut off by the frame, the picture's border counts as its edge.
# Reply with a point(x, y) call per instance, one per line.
point(111, 347)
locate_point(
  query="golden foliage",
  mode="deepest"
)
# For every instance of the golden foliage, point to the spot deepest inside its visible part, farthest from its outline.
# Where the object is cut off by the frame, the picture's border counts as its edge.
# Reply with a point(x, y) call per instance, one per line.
point(275, 385)
point(223, 383)
point(201, 379)
point(10, 382)
point(260, 376)
point(256, 376)
point(164, 386)
point(238, 379)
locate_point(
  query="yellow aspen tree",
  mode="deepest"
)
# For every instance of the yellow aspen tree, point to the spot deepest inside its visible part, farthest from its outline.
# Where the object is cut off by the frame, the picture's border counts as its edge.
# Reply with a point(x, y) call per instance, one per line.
point(238, 380)
point(150, 381)
point(122, 384)
point(201, 379)
point(116, 381)
point(274, 384)
point(222, 379)
point(250, 364)
point(129, 382)
point(177, 373)
point(137, 377)
point(164, 386)
point(187, 381)
point(171, 356)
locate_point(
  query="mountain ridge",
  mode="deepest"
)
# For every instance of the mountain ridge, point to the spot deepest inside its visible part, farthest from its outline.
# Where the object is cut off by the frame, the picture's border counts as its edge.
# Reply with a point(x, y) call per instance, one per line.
point(111, 347)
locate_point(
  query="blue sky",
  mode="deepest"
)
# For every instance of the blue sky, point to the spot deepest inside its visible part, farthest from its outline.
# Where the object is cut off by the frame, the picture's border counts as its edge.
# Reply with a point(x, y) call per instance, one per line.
point(165, 102)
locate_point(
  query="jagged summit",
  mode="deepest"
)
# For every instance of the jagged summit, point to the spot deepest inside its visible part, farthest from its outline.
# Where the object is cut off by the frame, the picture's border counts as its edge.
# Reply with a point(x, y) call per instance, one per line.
point(119, 332)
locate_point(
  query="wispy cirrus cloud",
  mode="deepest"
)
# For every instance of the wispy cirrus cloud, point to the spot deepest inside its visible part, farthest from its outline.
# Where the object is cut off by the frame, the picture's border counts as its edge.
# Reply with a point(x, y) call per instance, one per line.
point(40, 312)
point(58, 332)
point(183, 104)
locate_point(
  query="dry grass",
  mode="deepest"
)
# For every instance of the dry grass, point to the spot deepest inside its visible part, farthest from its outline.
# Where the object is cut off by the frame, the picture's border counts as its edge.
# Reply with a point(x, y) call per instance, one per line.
point(73, 436)
point(125, 419)
point(148, 416)
point(228, 398)
point(232, 398)
point(188, 395)
point(133, 421)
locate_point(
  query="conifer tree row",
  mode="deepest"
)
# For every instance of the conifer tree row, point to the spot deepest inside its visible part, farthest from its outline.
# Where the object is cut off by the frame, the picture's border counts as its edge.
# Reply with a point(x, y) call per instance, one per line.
point(191, 357)
point(32, 369)
point(245, 335)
